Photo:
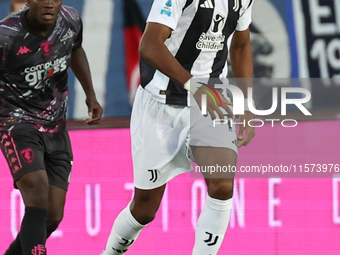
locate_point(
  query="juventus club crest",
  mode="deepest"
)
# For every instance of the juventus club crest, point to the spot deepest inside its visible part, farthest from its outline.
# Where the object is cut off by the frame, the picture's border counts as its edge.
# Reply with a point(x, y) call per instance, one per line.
point(154, 175)
point(237, 5)
point(212, 239)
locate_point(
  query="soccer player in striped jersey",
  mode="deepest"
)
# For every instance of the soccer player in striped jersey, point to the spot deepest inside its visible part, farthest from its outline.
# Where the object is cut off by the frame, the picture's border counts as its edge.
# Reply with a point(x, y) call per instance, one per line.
point(185, 39)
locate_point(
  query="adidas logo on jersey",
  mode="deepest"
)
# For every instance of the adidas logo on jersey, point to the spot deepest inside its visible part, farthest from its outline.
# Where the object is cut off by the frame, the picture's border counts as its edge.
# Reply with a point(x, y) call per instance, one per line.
point(23, 50)
point(207, 4)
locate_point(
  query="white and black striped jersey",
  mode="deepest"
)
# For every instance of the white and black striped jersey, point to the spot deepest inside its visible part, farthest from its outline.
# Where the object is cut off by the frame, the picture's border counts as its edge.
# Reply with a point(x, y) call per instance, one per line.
point(198, 41)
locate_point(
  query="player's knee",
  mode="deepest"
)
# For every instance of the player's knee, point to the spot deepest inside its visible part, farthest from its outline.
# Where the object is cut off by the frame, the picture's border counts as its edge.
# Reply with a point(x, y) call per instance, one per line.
point(145, 204)
point(220, 189)
point(53, 222)
point(144, 213)
point(34, 186)
point(34, 189)
point(38, 198)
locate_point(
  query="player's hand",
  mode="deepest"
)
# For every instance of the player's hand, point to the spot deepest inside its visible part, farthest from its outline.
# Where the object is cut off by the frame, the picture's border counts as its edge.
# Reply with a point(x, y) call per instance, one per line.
point(215, 100)
point(95, 111)
point(245, 134)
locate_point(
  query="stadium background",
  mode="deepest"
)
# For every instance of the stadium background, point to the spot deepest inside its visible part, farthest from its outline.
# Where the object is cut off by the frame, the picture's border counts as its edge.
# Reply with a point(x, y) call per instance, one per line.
point(291, 39)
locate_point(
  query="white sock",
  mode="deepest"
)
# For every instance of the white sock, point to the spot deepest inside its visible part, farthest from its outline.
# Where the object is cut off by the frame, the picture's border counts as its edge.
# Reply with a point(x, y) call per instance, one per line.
point(212, 226)
point(125, 231)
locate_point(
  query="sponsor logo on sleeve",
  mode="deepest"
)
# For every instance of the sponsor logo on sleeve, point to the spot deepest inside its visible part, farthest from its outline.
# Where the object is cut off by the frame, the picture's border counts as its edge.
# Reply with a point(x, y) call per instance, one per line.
point(167, 8)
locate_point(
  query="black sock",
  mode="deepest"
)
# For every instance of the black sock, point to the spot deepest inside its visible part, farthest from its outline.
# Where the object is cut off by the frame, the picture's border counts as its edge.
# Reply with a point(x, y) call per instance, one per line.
point(15, 247)
point(33, 231)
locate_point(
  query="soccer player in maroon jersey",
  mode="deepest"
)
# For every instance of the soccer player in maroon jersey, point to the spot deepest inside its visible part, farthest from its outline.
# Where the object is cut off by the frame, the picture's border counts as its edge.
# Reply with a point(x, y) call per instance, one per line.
point(37, 45)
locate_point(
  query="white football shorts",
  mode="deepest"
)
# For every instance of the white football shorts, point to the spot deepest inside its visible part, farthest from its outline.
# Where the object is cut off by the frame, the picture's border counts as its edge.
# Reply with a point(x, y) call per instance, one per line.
point(161, 136)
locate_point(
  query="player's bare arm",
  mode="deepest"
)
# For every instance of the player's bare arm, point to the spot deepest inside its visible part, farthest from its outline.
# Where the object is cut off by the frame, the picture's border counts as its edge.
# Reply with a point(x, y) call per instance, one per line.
point(242, 65)
point(81, 69)
point(153, 50)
